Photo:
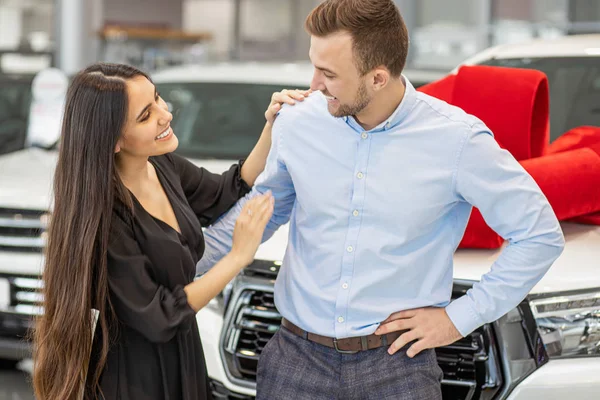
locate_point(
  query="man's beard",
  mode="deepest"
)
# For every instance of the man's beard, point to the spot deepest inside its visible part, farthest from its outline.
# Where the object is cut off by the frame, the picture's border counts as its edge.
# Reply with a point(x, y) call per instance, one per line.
point(362, 101)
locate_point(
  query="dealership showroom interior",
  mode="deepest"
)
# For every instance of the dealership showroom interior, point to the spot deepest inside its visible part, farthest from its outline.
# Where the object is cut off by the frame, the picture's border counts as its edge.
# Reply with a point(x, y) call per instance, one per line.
point(300, 199)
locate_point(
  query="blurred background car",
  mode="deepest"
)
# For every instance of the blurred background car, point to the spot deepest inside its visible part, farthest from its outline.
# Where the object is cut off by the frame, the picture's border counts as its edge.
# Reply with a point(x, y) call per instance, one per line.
point(572, 64)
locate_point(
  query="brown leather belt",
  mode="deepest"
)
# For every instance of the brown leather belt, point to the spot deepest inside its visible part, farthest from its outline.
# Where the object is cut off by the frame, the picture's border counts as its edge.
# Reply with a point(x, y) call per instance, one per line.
point(347, 345)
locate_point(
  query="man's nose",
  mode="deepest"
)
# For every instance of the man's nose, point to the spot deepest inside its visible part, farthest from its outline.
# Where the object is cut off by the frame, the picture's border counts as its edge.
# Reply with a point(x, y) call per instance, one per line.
point(316, 83)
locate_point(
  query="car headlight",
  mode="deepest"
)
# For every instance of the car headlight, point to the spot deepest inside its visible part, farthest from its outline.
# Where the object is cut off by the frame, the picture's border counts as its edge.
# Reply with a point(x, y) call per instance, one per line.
point(569, 324)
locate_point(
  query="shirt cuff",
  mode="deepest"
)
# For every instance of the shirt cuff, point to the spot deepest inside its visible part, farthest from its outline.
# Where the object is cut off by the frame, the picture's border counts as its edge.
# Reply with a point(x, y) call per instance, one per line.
point(463, 315)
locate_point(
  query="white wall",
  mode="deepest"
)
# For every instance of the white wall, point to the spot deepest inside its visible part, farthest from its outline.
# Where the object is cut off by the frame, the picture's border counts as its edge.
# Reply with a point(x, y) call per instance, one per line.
point(261, 21)
point(266, 19)
point(94, 22)
point(11, 22)
point(215, 16)
point(462, 11)
point(18, 18)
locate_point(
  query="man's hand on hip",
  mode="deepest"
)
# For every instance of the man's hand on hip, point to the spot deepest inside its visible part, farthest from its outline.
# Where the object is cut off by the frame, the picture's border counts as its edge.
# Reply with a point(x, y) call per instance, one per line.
point(430, 327)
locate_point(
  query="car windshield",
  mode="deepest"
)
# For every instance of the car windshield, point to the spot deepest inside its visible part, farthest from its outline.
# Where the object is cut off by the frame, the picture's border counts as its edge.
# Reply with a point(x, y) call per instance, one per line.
point(217, 120)
point(574, 89)
point(15, 97)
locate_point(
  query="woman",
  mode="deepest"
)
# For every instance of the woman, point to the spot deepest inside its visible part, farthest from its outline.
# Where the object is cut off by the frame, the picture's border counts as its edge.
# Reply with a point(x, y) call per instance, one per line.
point(124, 239)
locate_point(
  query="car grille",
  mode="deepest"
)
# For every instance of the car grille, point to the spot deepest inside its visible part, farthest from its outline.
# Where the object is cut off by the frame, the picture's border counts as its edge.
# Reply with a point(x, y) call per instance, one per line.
point(22, 230)
point(469, 365)
point(20, 300)
point(256, 322)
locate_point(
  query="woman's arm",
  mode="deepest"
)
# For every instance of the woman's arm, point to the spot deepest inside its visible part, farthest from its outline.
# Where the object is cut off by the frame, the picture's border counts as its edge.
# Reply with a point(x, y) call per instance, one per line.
point(255, 163)
point(247, 236)
point(158, 312)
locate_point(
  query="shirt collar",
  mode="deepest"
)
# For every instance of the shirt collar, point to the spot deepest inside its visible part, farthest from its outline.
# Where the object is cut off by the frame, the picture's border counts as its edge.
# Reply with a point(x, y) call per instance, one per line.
point(407, 103)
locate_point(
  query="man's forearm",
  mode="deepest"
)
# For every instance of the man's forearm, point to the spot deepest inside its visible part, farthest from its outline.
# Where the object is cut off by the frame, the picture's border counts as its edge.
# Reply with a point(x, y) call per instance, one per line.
point(512, 204)
point(516, 271)
point(218, 238)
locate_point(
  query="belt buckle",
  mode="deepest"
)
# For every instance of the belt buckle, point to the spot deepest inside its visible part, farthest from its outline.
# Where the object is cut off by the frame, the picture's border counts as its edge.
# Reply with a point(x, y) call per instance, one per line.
point(335, 345)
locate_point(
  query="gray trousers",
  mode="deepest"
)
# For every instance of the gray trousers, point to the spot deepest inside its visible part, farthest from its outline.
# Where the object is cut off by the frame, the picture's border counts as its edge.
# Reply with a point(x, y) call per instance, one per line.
point(292, 368)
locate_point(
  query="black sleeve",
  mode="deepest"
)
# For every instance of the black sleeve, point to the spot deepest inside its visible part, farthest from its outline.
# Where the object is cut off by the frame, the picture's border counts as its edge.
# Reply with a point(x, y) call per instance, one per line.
point(138, 300)
point(210, 195)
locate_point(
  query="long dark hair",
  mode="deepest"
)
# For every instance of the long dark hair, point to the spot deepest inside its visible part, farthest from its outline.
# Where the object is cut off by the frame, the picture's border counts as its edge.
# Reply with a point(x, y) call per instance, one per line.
point(86, 185)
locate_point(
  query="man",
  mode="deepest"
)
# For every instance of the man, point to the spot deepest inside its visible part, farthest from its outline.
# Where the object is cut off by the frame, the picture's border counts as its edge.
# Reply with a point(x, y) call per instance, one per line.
point(378, 182)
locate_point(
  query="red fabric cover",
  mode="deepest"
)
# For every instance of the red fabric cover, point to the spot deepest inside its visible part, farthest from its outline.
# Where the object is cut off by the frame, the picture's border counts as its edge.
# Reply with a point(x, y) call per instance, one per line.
point(441, 89)
point(589, 219)
point(479, 235)
point(514, 104)
point(583, 136)
point(566, 180)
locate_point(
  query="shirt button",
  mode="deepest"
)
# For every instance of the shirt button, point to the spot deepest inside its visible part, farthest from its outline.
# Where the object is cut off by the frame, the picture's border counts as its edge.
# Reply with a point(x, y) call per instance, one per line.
point(349, 249)
point(364, 135)
point(387, 125)
point(355, 213)
point(345, 286)
point(360, 175)
point(340, 319)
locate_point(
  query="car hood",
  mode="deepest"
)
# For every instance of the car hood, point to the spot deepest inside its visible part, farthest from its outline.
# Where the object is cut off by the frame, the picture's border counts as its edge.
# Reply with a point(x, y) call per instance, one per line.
point(26, 179)
point(577, 268)
point(26, 182)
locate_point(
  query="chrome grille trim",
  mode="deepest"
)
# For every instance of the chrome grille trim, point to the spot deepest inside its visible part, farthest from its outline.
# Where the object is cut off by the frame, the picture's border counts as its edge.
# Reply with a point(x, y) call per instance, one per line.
point(469, 366)
point(23, 223)
point(10, 241)
point(28, 283)
point(23, 230)
point(26, 295)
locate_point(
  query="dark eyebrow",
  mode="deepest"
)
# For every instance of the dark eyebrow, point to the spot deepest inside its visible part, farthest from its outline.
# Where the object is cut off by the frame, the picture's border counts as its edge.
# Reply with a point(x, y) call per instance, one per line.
point(146, 108)
point(325, 70)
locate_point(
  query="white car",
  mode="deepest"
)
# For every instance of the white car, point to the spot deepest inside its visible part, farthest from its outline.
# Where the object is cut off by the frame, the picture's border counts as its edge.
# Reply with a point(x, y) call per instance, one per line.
point(547, 347)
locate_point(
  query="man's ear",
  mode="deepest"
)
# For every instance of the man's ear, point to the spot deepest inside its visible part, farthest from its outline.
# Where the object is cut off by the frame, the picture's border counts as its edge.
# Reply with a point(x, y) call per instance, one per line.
point(381, 77)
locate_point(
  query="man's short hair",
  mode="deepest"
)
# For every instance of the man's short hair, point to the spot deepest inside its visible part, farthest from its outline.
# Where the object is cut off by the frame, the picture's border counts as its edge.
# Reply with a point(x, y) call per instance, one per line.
point(379, 34)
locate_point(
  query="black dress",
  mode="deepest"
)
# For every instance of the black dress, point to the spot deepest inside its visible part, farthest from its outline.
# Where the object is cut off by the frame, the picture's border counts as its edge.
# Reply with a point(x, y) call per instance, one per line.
point(157, 353)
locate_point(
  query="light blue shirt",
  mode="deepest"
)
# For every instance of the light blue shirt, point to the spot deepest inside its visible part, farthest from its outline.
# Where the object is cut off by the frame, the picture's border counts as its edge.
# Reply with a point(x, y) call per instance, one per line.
point(375, 217)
